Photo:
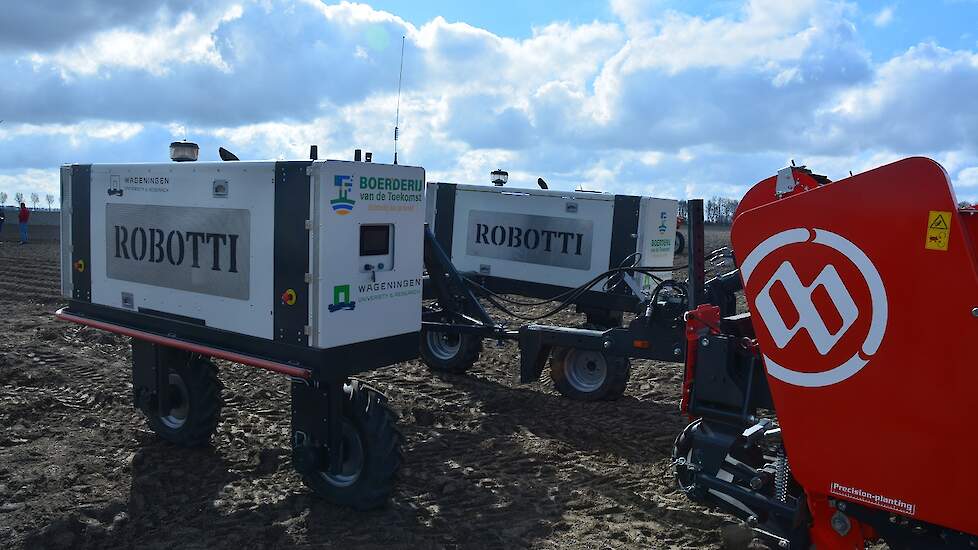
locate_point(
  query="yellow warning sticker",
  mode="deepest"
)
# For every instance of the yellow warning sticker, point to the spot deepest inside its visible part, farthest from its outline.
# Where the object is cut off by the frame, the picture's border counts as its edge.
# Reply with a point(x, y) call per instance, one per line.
point(938, 230)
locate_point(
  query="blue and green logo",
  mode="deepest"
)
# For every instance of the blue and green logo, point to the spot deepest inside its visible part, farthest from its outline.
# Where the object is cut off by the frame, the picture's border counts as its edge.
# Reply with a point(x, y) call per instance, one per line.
point(343, 204)
point(342, 299)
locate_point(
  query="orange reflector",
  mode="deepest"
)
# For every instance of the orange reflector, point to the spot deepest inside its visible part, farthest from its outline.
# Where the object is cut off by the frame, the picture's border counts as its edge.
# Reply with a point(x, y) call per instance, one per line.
point(641, 344)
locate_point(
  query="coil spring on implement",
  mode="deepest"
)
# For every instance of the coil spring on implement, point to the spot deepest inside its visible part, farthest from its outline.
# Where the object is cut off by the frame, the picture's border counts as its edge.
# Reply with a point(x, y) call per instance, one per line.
point(781, 473)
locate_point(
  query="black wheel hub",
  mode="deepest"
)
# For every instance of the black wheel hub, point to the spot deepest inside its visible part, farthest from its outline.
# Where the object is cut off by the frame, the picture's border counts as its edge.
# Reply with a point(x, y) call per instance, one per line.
point(351, 459)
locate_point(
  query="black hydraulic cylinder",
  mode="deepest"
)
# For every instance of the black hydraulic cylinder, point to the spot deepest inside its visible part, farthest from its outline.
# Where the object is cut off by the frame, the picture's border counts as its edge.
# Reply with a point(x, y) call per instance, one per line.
point(697, 261)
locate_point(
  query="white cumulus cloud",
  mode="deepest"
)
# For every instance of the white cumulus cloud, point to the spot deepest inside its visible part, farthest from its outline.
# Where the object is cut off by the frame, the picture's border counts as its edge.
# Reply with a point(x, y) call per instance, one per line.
point(654, 100)
point(884, 17)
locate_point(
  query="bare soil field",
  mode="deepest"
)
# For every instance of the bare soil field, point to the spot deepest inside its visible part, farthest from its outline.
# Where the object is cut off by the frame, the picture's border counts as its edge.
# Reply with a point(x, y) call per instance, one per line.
point(489, 463)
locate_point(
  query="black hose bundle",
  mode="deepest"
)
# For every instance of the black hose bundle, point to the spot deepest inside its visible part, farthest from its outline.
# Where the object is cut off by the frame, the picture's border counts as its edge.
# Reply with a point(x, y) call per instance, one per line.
point(566, 299)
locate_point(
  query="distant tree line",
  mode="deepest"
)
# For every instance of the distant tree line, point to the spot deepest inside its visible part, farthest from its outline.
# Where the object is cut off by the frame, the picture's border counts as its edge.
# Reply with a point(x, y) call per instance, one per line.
point(717, 210)
point(34, 199)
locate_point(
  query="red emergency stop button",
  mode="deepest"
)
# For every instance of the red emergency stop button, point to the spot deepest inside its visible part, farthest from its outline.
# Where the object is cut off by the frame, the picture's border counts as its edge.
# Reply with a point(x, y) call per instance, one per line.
point(289, 297)
point(79, 265)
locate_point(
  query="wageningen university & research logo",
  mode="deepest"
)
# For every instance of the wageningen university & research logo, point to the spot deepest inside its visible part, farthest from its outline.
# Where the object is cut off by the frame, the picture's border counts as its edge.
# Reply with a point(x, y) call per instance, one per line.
point(343, 204)
point(119, 185)
point(342, 299)
point(369, 292)
point(115, 186)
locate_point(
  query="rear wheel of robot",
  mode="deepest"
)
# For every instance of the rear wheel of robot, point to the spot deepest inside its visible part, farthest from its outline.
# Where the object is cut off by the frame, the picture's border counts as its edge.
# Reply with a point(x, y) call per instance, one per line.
point(194, 397)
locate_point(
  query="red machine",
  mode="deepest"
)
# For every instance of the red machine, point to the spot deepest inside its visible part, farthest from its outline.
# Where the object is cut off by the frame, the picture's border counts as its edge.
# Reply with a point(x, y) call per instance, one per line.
point(838, 411)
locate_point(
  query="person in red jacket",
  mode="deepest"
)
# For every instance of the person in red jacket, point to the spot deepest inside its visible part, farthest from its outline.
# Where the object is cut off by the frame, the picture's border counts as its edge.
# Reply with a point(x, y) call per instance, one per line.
point(24, 215)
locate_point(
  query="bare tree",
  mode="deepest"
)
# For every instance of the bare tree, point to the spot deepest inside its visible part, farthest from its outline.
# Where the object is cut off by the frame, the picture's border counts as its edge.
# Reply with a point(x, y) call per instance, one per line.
point(50, 199)
point(3, 198)
point(19, 197)
point(733, 204)
point(721, 210)
point(35, 199)
point(713, 212)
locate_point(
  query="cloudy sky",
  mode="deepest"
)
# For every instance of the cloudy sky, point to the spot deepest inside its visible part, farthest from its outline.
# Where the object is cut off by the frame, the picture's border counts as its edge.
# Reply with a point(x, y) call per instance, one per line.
point(669, 98)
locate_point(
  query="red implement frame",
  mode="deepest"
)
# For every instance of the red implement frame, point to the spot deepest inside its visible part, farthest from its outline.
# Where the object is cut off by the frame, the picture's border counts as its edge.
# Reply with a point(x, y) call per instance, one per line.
point(701, 321)
point(863, 302)
point(273, 366)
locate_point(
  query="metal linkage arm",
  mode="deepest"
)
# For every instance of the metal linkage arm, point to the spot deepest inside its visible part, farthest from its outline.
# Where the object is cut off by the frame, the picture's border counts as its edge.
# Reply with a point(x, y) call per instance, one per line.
point(453, 295)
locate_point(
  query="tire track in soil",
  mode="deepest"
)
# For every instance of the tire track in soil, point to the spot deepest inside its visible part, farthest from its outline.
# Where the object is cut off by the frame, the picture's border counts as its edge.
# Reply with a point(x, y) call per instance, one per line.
point(42, 272)
point(489, 463)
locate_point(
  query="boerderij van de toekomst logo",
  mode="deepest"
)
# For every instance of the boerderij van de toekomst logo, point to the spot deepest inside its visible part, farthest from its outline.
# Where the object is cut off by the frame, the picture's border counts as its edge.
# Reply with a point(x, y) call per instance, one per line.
point(342, 204)
point(661, 246)
point(391, 189)
point(375, 190)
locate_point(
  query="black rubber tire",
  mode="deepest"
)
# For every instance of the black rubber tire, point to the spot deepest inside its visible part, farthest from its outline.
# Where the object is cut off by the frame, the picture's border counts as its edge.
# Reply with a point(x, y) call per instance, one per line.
point(203, 399)
point(366, 412)
point(680, 243)
point(449, 358)
point(611, 387)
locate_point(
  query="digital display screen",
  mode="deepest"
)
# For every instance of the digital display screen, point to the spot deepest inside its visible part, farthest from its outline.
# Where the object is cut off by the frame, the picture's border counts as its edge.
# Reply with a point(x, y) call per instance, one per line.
point(375, 240)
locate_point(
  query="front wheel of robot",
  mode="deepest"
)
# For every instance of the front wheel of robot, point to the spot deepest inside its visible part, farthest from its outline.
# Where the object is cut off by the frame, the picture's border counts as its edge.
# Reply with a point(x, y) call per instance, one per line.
point(370, 447)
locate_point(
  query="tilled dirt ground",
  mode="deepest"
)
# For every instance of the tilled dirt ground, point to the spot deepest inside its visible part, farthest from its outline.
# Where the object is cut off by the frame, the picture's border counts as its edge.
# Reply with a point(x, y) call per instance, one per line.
point(489, 463)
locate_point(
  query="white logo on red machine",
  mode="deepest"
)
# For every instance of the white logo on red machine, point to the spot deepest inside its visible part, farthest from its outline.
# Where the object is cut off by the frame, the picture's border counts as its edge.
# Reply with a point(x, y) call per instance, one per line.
point(842, 309)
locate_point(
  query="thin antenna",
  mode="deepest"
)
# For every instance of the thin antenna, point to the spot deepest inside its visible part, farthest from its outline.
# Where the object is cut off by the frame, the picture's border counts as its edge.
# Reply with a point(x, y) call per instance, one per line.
point(397, 110)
